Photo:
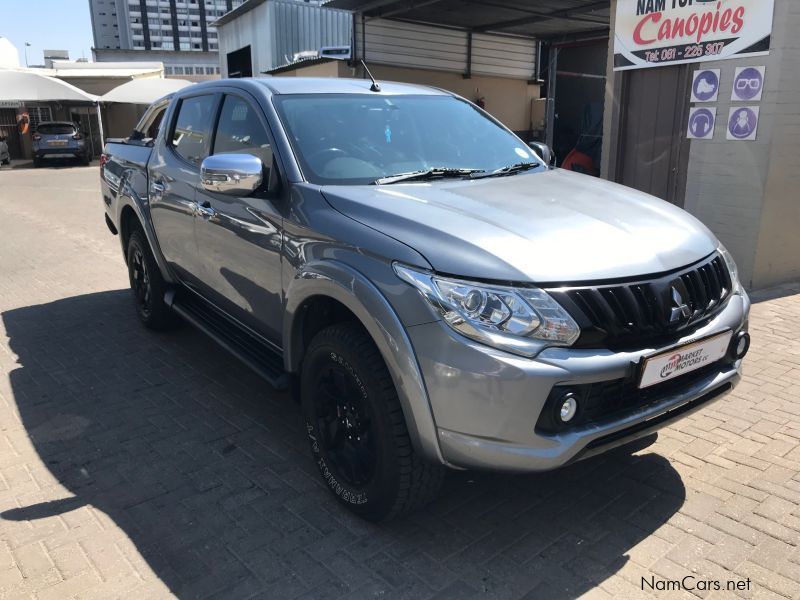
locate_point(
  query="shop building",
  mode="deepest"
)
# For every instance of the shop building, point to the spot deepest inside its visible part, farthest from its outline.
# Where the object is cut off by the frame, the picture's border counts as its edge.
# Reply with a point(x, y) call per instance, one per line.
point(615, 83)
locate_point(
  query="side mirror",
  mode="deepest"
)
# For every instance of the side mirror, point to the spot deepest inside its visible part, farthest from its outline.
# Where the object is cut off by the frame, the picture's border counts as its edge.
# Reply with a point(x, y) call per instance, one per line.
point(233, 174)
point(544, 151)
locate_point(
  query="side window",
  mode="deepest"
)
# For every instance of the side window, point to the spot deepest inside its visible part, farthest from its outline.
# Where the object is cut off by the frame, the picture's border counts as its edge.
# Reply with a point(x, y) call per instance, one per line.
point(240, 131)
point(155, 123)
point(192, 133)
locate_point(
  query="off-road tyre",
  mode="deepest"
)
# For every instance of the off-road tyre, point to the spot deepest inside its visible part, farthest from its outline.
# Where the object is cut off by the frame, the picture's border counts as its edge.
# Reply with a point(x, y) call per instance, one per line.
point(399, 481)
point(147, 285)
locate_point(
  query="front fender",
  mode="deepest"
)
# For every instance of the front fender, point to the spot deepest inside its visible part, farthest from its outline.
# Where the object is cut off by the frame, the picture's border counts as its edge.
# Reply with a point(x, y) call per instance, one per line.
point(346, 285)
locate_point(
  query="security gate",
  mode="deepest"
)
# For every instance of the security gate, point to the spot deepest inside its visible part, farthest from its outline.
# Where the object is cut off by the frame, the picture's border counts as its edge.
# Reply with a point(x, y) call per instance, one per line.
point(8, 130)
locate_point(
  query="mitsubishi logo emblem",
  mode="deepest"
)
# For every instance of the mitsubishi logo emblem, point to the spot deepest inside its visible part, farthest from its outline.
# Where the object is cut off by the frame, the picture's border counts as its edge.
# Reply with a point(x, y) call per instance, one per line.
point(680, 310)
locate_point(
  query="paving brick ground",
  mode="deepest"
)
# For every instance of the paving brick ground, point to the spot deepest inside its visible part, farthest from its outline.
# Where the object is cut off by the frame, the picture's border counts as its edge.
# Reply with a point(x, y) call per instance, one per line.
point(142, 466)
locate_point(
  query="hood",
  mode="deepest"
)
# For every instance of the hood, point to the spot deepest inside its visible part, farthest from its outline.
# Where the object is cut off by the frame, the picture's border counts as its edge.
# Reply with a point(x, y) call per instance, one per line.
point(549, 227)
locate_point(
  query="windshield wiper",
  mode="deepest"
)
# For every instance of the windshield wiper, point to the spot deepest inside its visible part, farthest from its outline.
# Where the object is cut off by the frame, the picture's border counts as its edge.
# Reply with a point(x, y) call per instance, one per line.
point(509, 170)
point(432, 173)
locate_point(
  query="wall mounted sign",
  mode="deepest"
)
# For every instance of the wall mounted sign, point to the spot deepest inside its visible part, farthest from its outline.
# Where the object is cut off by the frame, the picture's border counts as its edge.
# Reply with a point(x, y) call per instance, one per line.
point(743, 123)
point(748, 84)
point(705, 87)
point(650, 33)
point(10, 104)
point(701, 123)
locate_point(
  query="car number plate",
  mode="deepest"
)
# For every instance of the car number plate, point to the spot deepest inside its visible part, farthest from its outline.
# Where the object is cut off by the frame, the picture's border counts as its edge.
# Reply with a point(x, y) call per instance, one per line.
point(57, 142)
point(683, 359)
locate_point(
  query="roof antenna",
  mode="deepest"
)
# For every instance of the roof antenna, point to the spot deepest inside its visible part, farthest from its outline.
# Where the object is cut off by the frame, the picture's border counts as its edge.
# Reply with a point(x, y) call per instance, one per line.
point(375, 87)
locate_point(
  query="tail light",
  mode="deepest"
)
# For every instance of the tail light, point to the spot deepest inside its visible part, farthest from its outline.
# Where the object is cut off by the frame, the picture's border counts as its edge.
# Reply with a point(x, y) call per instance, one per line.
point(36, 137)
point(77, 136)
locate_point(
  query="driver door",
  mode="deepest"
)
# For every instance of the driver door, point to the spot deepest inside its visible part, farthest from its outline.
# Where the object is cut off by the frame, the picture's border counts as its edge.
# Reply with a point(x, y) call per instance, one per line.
point(239, 239)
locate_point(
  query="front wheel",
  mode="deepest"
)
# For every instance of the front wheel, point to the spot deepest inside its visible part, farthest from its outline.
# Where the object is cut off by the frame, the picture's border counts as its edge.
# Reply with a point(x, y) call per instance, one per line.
point(355, 425)
point(147, 285)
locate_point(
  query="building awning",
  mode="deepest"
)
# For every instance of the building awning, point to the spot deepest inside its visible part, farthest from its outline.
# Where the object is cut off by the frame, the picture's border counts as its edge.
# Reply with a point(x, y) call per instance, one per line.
point(144, 91)
point(26, 86)
point(542, 19)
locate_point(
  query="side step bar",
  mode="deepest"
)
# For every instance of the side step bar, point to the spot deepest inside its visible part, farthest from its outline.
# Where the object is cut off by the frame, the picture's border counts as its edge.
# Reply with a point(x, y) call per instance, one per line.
point(244, 345)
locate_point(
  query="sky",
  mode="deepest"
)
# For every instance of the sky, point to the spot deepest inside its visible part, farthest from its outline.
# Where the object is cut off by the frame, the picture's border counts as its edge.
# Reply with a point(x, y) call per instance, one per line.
point(47, 24)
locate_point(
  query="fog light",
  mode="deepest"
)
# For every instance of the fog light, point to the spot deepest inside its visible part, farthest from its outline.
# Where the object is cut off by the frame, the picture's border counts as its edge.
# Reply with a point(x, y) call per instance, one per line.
point(742, 344)
point(569, 406)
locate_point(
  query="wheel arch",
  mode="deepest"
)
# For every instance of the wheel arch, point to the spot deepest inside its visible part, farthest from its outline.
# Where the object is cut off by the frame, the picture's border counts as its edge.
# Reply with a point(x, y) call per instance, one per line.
point(132, 215)
point(335, 286)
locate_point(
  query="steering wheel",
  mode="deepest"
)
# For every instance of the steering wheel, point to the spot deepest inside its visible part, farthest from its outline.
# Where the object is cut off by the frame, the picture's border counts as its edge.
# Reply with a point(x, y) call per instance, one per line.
point(314, 157)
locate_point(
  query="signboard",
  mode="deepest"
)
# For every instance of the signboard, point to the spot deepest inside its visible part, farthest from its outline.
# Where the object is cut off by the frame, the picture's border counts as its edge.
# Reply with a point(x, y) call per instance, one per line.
point(701, 123)
point(651, 33)
point(10, 104)
point(743, 123)
point(748, 84)
point(705, 86)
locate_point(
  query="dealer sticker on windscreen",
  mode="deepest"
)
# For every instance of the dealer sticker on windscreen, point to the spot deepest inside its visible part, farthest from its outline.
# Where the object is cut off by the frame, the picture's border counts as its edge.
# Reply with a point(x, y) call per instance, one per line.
point(684, 359)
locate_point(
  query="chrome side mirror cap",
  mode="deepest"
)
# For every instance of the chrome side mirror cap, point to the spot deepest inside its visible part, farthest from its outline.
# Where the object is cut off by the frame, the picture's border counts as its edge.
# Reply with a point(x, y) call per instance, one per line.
point(232, 174)
point(544, 152)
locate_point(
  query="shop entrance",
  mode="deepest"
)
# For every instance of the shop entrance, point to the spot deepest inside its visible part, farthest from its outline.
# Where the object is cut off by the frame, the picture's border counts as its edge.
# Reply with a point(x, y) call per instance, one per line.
point(579, 95)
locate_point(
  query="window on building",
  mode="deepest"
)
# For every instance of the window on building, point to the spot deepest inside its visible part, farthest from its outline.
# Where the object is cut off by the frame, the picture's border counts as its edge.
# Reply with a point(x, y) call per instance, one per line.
point(190, 138)
point(168, 71)
point(209, 70)
point(178, 70)
point(39, 114)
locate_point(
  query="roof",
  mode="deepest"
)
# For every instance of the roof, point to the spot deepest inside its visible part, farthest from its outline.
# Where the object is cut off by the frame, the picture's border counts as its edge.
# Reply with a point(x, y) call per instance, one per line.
point(325, 85)
point(243, 8)
point(249, 5)
point(144, 91)
point(300, 63)
point(529, 18)
point(30, 86)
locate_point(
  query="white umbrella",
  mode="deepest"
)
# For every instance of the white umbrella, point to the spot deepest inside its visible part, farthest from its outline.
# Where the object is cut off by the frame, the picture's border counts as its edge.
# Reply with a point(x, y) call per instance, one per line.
point(144, 91)
point(25, 86)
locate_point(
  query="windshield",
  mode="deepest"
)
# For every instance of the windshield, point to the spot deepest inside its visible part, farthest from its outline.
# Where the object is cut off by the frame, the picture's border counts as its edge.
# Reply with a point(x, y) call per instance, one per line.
point(55, 129)
point(358, 139)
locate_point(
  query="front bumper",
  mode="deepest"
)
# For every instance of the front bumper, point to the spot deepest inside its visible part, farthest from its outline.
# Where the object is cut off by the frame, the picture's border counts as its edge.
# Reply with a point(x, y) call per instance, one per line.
point(486, 403)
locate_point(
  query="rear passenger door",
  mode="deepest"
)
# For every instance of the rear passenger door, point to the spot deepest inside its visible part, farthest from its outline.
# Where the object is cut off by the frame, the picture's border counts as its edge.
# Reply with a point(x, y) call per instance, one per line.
point(240, 238)
point(174, 176)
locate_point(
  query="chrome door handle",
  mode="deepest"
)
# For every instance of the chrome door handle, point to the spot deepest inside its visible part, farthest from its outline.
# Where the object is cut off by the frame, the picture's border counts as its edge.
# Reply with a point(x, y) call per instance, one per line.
point(204, 210)
point(157, 188)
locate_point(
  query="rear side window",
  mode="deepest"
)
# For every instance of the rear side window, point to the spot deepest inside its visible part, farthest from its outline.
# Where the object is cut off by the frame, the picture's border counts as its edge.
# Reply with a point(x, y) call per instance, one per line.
point(192, 132)
point(55, 129)
point(240, 131)
point(155, 124)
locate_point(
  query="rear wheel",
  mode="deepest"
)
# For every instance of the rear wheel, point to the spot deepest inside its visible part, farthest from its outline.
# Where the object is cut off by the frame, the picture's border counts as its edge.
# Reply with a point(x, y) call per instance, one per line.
point(147, 285)
point(356, 427)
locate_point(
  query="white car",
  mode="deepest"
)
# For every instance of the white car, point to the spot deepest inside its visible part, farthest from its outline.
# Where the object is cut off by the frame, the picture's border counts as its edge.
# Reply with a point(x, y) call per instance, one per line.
point(5, 157)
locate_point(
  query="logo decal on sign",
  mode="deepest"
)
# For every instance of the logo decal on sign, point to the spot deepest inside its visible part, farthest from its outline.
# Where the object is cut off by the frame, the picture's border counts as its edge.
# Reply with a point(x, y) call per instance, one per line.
point(748, 84)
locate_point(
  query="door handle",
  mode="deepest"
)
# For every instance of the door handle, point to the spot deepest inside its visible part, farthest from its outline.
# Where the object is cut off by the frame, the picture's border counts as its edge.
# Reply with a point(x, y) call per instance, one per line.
point(203, 209)
point(157, 188)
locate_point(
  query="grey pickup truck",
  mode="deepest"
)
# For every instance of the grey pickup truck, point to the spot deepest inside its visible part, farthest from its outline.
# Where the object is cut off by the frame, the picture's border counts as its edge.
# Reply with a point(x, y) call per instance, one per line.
point(429, 288)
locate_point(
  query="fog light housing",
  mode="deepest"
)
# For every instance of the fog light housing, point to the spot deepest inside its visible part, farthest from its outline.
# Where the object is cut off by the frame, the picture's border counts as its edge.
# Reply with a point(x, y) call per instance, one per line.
point(568, 407)
point(740, 345)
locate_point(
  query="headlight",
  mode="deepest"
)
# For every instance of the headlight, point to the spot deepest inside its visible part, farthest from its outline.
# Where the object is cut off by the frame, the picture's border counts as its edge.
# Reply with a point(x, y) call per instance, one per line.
point(736, 287)
point(519, 320)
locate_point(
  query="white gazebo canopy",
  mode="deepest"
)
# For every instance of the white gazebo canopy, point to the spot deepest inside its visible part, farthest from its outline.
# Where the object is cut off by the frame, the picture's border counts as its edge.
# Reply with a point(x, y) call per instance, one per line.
point(26, 86)
point(144, 91)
